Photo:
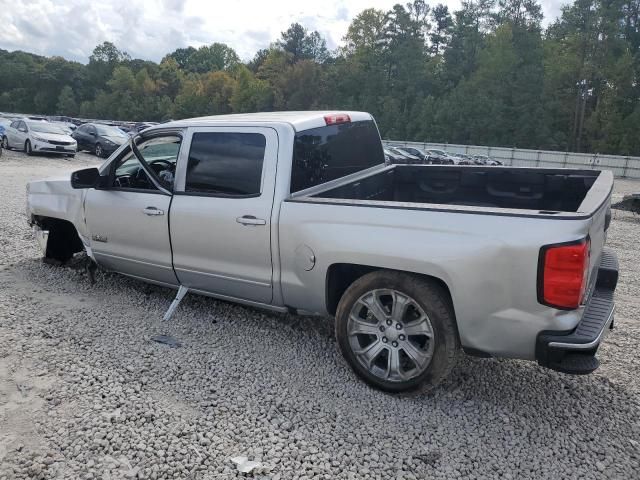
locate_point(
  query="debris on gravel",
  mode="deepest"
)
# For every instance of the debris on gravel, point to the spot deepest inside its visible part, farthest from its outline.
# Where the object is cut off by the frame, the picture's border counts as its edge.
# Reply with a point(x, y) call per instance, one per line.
point(87, 393)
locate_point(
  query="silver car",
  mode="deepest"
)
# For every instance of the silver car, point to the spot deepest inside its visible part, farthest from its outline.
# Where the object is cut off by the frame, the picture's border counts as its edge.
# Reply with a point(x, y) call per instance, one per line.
point(36, 136)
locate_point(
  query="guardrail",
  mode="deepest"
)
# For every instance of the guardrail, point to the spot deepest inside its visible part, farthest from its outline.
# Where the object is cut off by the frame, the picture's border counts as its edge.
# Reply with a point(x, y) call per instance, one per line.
point(621, 166)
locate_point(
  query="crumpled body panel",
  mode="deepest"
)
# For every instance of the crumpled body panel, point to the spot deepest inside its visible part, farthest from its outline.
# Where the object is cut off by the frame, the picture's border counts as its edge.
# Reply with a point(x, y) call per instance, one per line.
point(54, 197)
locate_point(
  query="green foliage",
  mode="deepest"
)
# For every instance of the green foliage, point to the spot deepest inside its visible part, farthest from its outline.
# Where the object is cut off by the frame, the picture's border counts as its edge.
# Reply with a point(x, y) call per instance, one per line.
point(67, 102)
point(484, 74)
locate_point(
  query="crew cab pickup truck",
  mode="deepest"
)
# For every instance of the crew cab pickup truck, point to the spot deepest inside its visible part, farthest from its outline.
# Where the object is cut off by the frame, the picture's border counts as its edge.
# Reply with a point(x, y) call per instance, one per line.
point(297, 212)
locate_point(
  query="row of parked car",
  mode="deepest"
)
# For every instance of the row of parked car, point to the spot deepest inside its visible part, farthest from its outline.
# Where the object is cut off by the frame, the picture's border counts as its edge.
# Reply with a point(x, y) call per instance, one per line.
point(64, 136)
point(413, 155)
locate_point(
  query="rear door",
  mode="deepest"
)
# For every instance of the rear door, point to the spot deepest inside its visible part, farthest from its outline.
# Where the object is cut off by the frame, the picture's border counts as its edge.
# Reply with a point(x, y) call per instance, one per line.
point(80, 134)
point(221, 212)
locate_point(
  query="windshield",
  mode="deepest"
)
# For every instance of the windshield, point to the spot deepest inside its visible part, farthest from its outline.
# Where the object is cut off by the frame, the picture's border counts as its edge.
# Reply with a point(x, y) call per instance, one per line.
point(108, 131)
point(44, 127)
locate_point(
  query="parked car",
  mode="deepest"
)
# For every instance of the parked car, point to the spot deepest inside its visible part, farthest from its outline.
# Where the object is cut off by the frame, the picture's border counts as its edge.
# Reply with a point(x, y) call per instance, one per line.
point(440, 157)
point(416, 152)
point(486, 160)
point(463, 159)
point(138, 127)
point(403, 157)
point(3, 125)
point(392, 156)
point(37, 136)
point(296, 212)
point(67, 127)
point(100, 139)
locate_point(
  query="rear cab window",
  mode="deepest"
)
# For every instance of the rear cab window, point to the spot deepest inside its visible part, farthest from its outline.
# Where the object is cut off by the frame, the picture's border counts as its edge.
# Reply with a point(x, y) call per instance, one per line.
point(325, 153)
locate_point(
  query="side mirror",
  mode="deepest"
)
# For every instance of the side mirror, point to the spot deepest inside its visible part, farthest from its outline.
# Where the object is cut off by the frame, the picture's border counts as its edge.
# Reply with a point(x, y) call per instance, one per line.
point(86, 178)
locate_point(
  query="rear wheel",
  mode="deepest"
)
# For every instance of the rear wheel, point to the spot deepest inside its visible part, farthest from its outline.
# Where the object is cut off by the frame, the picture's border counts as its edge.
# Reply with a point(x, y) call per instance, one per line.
point(397, 331)
point(27, 148)
point(99, 151)
point(5, 143)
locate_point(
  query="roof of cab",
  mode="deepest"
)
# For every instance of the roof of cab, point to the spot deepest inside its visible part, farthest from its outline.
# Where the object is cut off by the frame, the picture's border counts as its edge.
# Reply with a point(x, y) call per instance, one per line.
point(298, 120)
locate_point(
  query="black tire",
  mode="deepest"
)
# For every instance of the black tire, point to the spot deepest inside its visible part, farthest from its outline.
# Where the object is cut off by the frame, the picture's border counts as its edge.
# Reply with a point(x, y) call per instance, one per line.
point(98, 150)
point(435, 303)
point(5, 142)
point(27, 148)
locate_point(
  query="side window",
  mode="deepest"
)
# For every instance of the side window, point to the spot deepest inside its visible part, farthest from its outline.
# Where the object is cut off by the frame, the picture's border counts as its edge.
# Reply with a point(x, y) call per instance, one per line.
point(160, 154)
point(23, 127)
point(14, 125)
point(81, 129)
point(227, 164)
point(92, 130)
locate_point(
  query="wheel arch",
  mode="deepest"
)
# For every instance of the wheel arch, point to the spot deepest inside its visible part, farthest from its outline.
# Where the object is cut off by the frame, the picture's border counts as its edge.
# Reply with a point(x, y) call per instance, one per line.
point(63, 239)
point(341, 275)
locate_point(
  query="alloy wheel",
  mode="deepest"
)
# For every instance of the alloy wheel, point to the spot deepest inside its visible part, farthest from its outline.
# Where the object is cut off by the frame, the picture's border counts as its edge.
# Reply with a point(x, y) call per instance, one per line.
point(390, 335)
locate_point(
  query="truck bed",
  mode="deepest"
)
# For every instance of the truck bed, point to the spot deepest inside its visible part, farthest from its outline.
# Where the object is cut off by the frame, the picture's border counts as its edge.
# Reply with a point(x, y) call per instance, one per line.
point(539, 191)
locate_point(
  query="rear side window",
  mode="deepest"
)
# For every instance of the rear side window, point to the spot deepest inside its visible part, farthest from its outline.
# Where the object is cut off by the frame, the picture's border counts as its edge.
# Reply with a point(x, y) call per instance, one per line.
point(227, 164)
point(326, 153)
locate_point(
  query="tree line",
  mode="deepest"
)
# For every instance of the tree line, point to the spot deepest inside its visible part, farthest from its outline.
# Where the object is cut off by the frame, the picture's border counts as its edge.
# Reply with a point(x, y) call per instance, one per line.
point(486, 74)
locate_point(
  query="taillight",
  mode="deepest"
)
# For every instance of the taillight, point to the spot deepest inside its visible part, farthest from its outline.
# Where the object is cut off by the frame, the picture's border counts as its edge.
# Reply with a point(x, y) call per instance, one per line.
point(563, 273)
point(337, 118)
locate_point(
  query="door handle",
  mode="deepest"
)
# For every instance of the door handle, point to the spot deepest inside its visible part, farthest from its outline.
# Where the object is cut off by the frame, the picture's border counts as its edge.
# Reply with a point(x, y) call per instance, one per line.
point(250, 220)
point(152, 211)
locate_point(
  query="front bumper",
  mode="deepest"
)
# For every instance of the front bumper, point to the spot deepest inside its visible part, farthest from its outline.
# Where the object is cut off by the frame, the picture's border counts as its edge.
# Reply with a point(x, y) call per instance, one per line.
point(50, 148)
point(574, 351)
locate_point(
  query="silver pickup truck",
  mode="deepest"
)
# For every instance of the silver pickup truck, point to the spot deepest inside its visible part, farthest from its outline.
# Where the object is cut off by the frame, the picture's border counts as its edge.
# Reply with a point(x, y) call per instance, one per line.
point(297, 212)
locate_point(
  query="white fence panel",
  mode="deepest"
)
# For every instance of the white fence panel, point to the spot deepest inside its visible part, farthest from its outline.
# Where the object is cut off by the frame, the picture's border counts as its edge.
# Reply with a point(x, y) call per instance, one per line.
point(621, 166)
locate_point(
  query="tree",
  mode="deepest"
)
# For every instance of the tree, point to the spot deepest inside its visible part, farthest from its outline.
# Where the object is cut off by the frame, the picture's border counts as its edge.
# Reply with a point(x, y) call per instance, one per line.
point(181, 56)
point(365, 34)
point(303, 45)
point(102, 62)
point(66, 102)
point(216, 56)
point(441, 33)
point(250, 94)
point(486, 73)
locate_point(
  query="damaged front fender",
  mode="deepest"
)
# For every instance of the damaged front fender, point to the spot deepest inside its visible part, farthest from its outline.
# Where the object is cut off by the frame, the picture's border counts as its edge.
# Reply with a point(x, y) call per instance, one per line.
point(54, 198)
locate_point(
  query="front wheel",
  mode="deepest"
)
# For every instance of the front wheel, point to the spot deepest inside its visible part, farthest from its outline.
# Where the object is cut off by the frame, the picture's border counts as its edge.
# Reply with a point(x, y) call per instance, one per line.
point(397, 331)
point(99, 150)
point(27, 148)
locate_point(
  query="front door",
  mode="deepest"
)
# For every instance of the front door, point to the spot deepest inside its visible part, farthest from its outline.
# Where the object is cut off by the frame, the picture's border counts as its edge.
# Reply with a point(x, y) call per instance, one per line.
point(128, 220)
point(221, 212)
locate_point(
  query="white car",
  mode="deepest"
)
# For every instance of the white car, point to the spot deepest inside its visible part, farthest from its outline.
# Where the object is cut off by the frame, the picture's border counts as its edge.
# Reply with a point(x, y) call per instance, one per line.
point(35, 136)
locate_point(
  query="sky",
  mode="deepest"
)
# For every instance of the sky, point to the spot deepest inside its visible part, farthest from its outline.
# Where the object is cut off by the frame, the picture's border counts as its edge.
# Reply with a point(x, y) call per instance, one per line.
point(149, 29)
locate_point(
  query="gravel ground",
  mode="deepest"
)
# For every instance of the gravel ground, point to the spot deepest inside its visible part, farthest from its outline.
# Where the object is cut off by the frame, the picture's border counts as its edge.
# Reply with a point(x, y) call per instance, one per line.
point(85, 393)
